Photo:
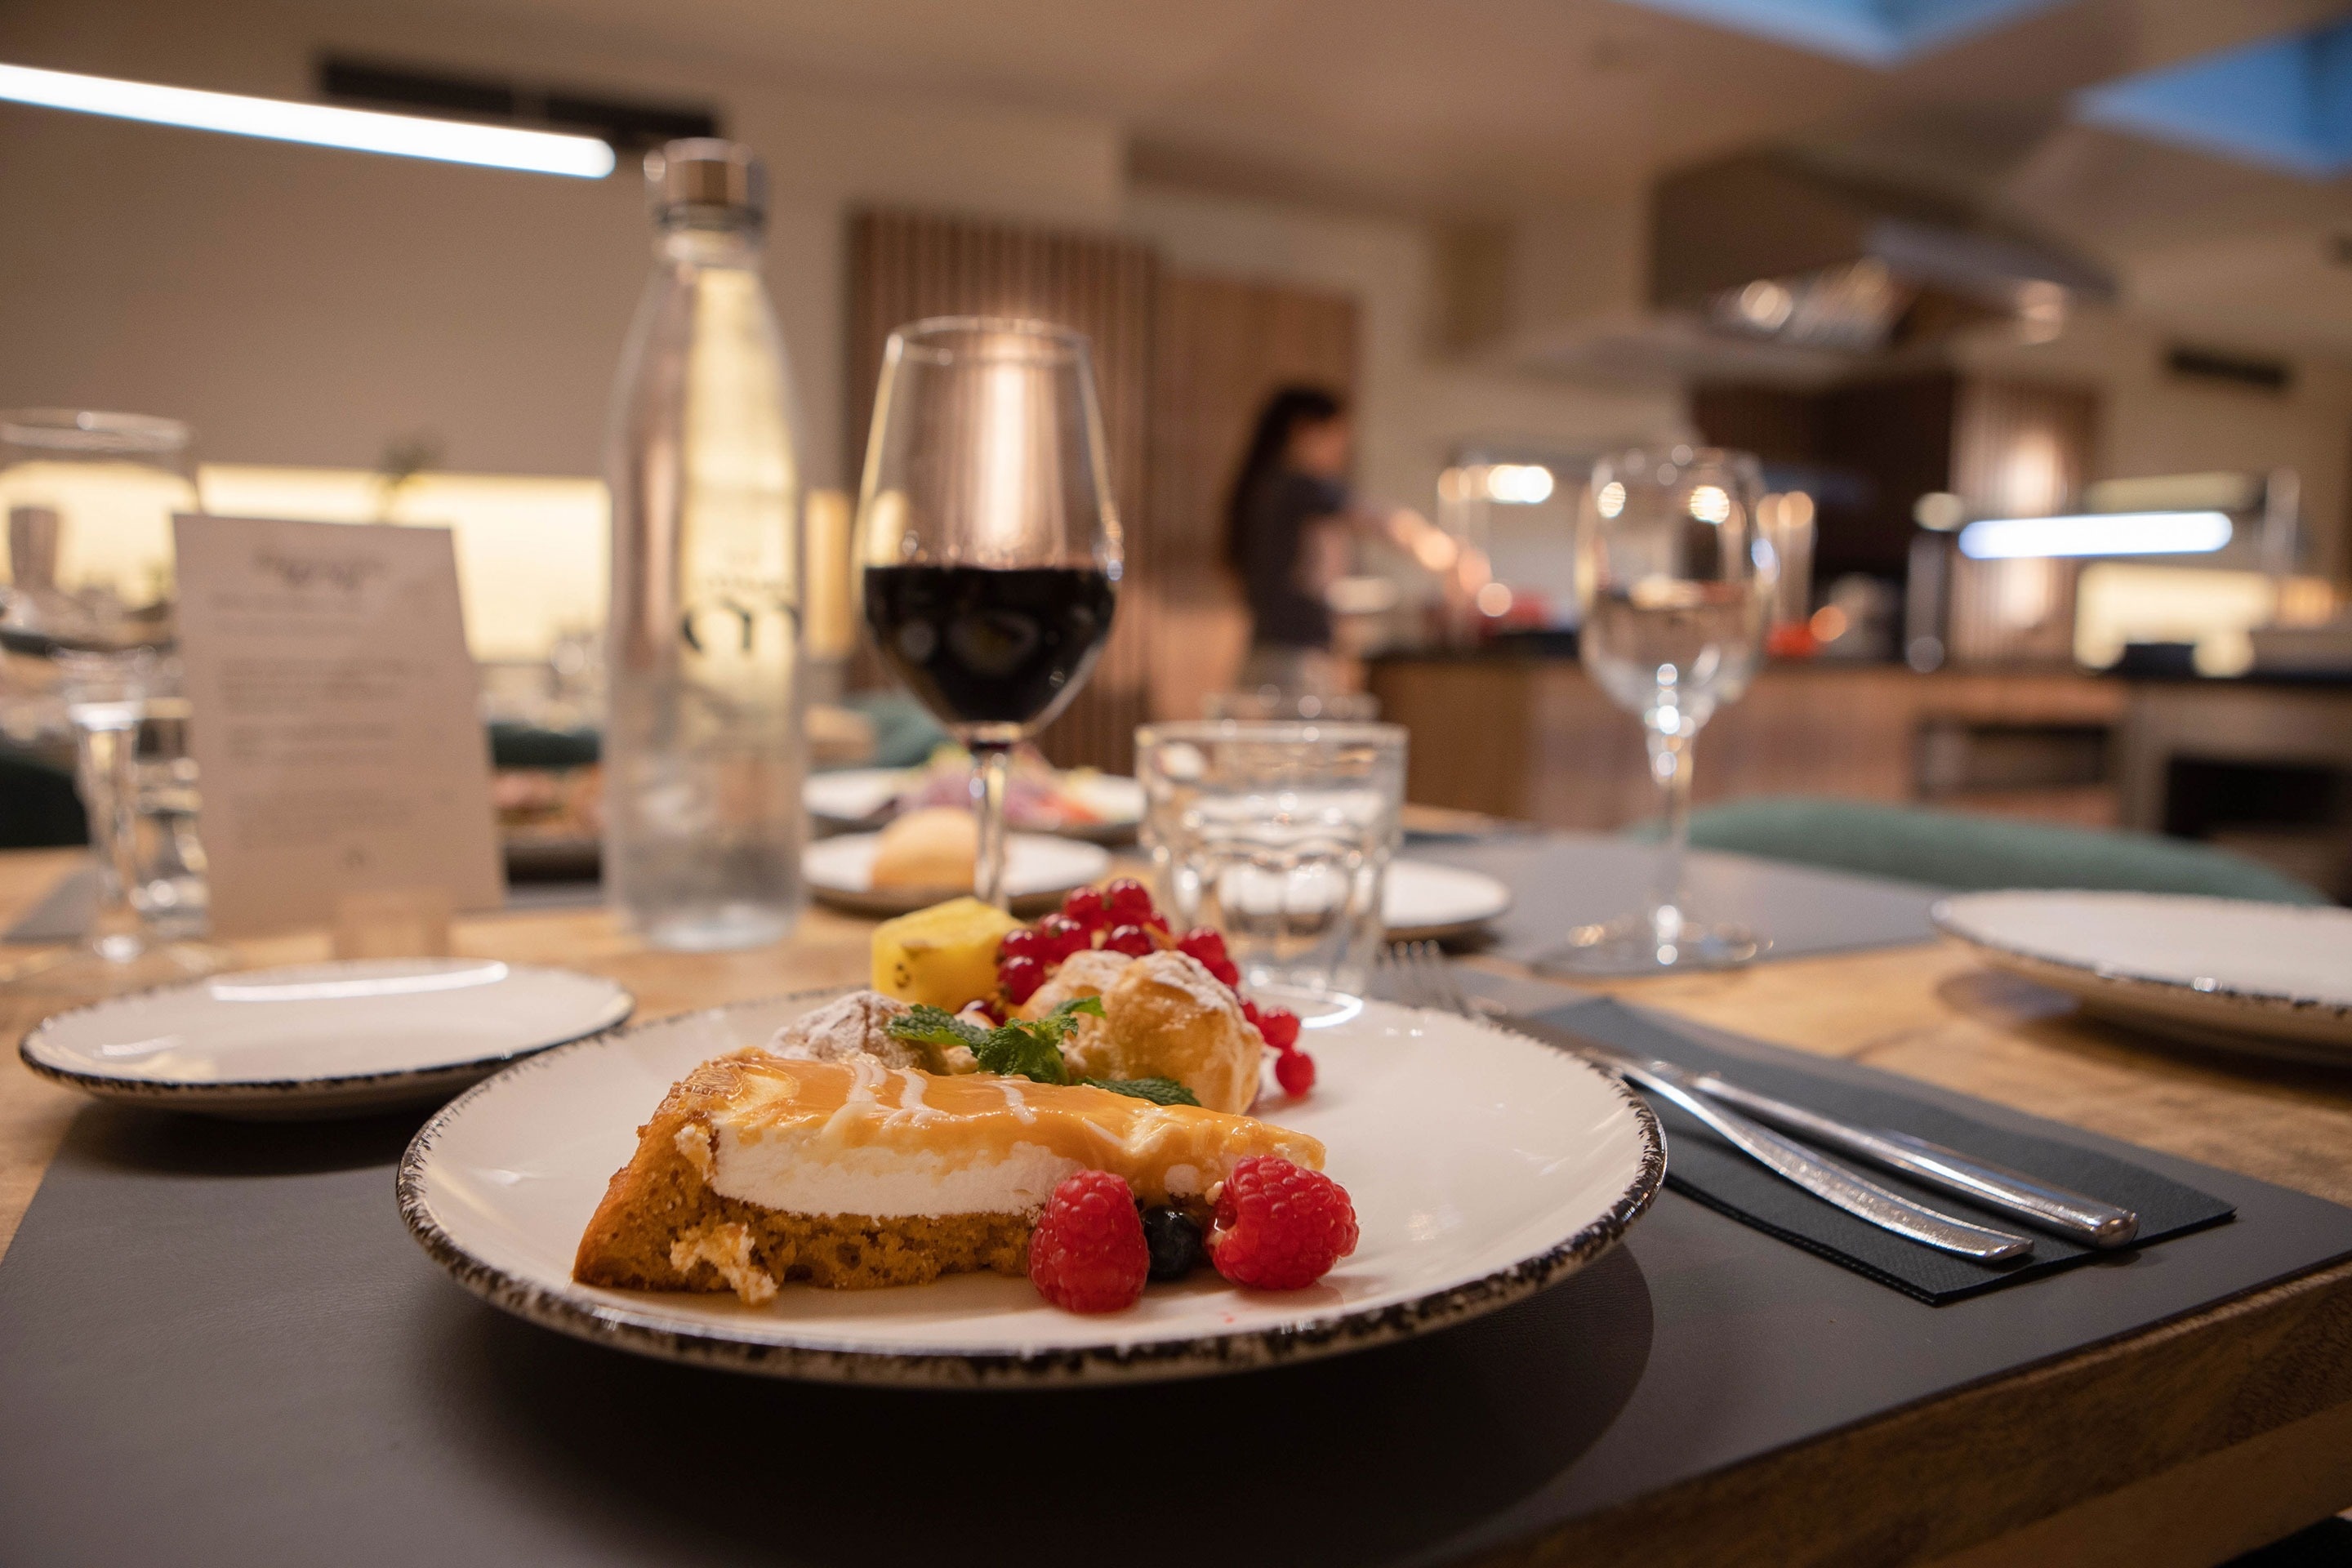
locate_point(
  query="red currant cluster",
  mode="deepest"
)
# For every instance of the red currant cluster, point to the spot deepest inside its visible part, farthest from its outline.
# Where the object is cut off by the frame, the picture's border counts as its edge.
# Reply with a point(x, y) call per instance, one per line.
point(1121, 918)
point(1293, 1069)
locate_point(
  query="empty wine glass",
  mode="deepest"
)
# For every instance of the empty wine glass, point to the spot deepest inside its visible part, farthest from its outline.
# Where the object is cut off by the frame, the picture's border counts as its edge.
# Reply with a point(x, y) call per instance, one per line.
point(988, 537)
point(1675, 580)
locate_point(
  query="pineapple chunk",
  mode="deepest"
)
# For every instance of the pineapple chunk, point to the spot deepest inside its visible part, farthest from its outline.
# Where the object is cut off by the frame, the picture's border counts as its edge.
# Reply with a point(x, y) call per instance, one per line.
point(945, 955)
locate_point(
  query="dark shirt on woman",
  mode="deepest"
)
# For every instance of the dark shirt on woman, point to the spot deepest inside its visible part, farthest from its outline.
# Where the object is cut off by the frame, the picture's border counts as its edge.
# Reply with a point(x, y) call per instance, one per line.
point(1274, 518)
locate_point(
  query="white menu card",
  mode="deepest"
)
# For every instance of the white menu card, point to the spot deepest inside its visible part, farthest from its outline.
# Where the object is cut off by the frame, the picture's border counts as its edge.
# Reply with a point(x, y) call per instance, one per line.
point(334, 719)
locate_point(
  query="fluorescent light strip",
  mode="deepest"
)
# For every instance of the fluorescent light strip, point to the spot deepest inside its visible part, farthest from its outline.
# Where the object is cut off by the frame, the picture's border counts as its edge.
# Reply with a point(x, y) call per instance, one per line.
point(359, 129)
point(2097, 533)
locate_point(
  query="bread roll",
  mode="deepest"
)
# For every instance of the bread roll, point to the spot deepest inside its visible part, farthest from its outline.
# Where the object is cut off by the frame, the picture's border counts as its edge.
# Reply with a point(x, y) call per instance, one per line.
point(933, 849)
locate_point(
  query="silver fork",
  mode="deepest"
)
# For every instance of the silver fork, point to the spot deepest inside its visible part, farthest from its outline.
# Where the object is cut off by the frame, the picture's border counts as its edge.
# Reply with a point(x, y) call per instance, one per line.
point(1422, 977)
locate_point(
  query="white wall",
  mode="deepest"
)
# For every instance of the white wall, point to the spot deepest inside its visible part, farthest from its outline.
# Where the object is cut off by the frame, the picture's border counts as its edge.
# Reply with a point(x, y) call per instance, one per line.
point(307, 306)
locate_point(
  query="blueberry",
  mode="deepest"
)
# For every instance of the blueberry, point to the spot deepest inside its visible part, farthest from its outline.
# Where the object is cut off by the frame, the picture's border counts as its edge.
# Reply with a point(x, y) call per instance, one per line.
point(1175, 1243)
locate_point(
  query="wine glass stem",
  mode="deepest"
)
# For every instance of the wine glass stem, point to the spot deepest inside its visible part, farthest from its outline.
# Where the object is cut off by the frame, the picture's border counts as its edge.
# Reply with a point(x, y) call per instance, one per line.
point(991, 767)
point(1670, 739)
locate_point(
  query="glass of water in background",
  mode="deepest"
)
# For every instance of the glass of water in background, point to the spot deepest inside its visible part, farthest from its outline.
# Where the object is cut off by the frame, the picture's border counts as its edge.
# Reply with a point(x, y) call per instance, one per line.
point(1279, 834)
point(1675, 578)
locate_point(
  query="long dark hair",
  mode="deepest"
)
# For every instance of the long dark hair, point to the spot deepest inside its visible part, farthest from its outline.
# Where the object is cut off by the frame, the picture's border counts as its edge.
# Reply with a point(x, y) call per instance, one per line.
point(1283, 412)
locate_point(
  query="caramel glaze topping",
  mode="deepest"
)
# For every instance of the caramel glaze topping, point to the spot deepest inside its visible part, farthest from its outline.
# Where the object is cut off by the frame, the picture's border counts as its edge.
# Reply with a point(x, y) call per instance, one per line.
point(1162, 1151)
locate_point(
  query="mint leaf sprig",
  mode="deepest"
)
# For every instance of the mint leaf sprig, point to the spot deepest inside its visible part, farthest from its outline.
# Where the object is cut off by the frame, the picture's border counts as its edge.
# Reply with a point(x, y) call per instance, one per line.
point(1030, 1047)
point(1023, 1047)
point(1158, 1090)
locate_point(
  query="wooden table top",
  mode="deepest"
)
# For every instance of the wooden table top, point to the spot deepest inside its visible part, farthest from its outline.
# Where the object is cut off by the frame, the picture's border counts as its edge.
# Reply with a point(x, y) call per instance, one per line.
point(2183, 1443)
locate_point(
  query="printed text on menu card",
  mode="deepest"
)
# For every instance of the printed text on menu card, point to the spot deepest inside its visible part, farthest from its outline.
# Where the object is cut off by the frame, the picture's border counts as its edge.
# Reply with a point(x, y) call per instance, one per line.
point(335, 723)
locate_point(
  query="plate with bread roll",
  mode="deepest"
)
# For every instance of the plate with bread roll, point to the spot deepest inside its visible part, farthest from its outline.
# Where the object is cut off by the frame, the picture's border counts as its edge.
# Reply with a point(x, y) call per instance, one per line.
point(926, 855)
point(1072, 802)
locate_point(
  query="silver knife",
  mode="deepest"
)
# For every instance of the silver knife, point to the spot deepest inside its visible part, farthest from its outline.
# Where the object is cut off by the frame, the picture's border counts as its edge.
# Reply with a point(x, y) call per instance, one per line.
point(2053, 1208)
point(1831, 1182)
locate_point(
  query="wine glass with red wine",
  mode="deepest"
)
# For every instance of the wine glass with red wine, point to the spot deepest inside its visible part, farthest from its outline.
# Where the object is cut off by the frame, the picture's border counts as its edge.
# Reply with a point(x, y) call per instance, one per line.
point(987, 537)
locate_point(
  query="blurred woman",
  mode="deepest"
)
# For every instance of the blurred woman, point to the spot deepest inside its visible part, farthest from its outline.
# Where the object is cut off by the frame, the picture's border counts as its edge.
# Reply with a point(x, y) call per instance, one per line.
point(1286, 523)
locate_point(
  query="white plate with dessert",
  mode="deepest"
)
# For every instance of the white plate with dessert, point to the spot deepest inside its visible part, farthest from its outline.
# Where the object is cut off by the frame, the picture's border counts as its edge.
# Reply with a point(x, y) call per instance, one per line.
point(927, 856)
point(320, 1040)
point(1131, 1176)
point(1422, 902)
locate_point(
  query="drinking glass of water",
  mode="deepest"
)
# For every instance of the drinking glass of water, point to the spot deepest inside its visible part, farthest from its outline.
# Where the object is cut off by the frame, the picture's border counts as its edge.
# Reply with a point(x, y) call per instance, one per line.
point(1280, 833)
point(1675, 579)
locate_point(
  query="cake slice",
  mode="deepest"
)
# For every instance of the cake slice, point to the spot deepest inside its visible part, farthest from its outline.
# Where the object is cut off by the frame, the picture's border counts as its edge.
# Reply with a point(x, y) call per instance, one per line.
point(758, 1169)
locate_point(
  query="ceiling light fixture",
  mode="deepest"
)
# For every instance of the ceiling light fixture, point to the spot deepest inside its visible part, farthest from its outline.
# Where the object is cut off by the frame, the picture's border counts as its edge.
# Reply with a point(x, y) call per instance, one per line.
point(2097, 533)
point(357, 130)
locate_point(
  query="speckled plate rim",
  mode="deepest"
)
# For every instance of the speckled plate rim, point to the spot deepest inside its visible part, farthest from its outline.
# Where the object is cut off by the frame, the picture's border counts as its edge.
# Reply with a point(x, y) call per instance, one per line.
point(814, 1358)
point(2160, 1000)
point(291, 1099)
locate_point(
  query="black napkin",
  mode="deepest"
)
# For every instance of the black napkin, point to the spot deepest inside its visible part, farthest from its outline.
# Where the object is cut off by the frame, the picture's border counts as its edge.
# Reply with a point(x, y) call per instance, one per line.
point(1701, 1165)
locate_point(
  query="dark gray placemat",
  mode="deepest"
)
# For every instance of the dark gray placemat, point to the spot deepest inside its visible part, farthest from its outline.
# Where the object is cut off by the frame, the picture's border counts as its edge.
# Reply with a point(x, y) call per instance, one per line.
point(1563, 879)
point(1701, 1164)
point(221, 1347)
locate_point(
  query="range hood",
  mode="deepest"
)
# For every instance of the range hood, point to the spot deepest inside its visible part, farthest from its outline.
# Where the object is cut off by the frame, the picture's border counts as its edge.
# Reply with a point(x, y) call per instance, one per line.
point(1765, 268)
point(1765, 249)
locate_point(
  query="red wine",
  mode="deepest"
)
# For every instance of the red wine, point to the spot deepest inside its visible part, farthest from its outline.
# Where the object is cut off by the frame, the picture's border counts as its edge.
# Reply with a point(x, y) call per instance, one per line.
point(990, 647)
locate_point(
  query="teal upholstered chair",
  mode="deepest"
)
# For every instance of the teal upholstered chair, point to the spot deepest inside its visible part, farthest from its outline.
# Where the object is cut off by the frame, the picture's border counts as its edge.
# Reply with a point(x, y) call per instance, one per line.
point(526, 746)
point(903, 735)
point(904, 731)
point(1951, 850)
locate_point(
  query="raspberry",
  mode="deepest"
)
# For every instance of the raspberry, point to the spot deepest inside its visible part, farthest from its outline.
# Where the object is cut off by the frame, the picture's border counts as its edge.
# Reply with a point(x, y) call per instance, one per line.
point(1203, 942)
point(1132, 941)
point(1129, 902)
point(1279, 1025)
point(1294, 1070)
point(1083, 907)
point(1062, 936)
point(1226, 972)
point(1019, 977)
point(1087, 1253)
point(1025, 942)
point(1280, 1227)
point(1249, 1011)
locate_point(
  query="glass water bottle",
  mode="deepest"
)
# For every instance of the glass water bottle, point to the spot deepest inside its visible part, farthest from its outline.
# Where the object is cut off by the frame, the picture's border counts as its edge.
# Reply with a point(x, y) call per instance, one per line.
point(703, 753)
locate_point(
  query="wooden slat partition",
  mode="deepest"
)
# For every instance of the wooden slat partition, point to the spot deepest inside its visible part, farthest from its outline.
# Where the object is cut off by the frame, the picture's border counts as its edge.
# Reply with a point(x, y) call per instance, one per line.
point(1224, 345)
point(2018, 450)
point(907, 265)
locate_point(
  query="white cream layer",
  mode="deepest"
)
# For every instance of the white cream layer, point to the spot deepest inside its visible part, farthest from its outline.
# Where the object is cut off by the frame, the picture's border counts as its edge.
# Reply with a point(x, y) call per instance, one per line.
point(803, 1171)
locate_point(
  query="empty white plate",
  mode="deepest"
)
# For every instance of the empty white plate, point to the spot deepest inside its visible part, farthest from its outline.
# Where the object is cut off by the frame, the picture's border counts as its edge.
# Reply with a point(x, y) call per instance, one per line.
point(321, 1039)
point(2274, 979)
point(1037, 871)
point(1482, 1166)
point(1424, 900)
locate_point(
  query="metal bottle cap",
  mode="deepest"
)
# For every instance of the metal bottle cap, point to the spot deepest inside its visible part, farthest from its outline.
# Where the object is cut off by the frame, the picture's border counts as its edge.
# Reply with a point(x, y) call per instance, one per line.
point(707, 180)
